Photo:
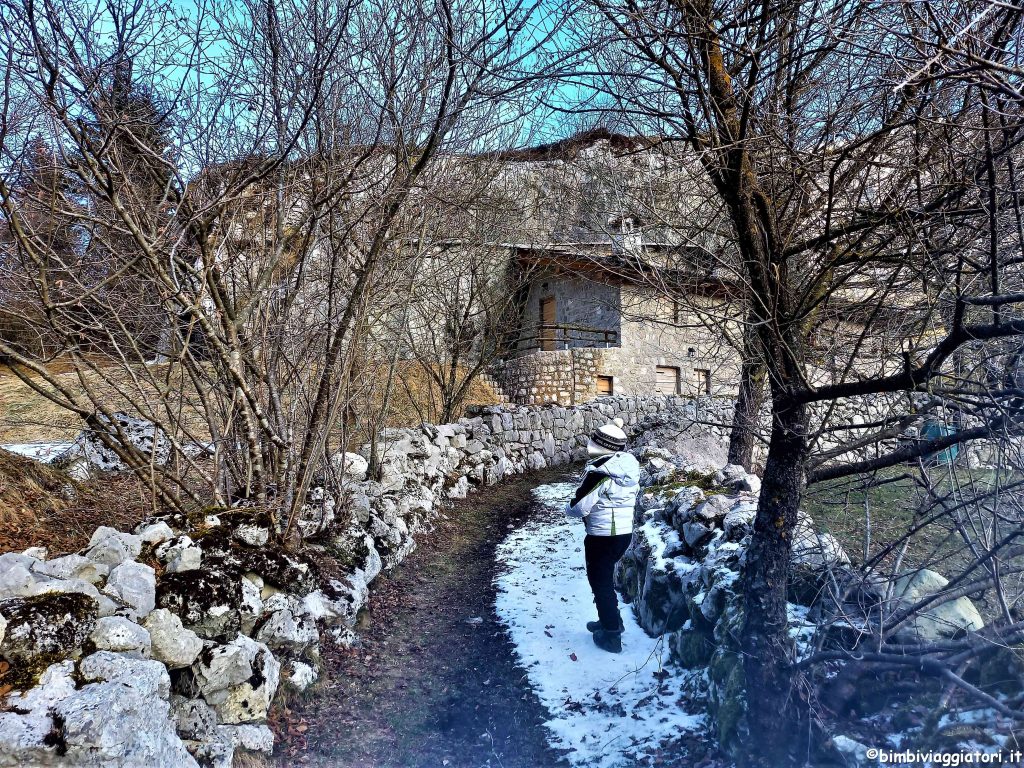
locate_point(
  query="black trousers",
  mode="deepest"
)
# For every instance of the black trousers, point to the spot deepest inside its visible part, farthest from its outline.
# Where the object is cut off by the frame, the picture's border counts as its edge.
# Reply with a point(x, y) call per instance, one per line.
point(602, 553)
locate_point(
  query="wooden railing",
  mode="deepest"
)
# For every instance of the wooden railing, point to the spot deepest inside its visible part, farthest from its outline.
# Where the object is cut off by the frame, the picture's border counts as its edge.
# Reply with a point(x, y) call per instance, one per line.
point(553, 336)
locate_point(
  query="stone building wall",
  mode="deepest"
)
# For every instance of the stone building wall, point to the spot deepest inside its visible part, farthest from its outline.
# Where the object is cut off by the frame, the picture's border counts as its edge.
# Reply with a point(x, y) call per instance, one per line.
point(651, 333)
point(578, 302)
point(563, 376)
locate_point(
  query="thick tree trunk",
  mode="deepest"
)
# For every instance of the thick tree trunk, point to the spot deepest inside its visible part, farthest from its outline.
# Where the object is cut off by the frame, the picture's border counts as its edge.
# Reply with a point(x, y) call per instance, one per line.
point(743, 435)
point(774, 708)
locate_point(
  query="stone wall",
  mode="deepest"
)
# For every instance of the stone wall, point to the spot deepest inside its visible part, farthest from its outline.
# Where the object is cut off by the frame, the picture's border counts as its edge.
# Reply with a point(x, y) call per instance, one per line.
point(682, 579)
point(563, 376)
point(168, 645)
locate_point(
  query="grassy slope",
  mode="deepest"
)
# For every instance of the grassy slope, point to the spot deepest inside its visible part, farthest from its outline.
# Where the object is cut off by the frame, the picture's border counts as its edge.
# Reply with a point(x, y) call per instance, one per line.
point(40, 506)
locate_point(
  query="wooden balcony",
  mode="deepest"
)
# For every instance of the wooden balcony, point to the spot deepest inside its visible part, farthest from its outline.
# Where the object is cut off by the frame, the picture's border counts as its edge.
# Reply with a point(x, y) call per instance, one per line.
point(548, 337)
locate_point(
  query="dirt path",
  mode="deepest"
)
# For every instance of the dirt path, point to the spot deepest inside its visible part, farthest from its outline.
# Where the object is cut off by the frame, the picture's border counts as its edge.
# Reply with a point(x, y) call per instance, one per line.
point(434, 681)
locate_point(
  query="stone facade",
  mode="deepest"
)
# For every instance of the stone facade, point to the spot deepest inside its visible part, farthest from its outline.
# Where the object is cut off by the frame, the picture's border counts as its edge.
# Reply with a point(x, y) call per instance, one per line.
point(563, 376)
point(645, 332)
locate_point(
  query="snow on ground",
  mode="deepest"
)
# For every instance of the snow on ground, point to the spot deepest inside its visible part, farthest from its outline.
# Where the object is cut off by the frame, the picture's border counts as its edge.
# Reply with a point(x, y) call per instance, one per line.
point(607, 710)
point(44, 452)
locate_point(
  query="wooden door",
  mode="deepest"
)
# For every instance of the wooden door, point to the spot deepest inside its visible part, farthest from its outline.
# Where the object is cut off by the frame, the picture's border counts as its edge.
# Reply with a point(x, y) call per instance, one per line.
point(547, 324)
point(667, 382)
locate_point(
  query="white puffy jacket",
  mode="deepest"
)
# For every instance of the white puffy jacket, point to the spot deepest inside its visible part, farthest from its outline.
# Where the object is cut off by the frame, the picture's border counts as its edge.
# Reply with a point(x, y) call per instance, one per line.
point(607, 494)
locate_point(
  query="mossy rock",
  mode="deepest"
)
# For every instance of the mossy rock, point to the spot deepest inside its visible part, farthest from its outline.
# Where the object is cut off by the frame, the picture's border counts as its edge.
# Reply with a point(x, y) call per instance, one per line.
point(692, 649)
point(206, 600)
point(728, 701)
point(42, 630)
point(286, 571)
point(350, 549)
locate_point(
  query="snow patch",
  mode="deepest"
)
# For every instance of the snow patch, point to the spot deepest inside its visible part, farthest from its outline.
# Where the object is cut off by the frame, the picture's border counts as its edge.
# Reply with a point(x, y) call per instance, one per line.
point(44, 452)
point(606, 710)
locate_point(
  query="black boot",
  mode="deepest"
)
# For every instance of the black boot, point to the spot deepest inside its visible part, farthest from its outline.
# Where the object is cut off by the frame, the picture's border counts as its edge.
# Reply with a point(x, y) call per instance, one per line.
point(608, 641)
point(593, 626)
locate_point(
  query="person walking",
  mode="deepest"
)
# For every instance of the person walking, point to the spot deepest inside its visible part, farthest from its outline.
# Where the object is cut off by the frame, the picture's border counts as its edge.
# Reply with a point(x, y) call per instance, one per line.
point(604, 500)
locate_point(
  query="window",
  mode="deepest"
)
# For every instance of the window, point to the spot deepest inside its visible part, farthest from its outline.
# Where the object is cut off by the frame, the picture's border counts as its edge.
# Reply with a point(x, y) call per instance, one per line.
point(605, 386)
point(667, 382)
point(703, 381)
point(691, 352)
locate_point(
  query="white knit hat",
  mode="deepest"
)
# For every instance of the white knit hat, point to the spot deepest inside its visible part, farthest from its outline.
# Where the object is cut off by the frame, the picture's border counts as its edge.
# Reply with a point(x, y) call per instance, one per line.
point(607, 439)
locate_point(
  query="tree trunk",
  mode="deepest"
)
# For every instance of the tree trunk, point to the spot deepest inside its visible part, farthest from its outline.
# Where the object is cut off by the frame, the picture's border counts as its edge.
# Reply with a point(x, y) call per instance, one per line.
point(743, 435)
point(774, 709)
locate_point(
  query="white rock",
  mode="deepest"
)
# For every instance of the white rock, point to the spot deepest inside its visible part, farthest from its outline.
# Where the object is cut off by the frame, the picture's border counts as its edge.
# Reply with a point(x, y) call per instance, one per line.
point(855, 753)
point(38, 553)
point(156, 533)
point(251, 607)
point(739, 520)
point(3, 629)
point(193, 718)
point(460, 489)
point(112, 724)
point(134, 584)
point(111, 547)
point(74, 567)
point(146, 676)
point(116, 633)
point(171, 548)
point(69, 585)
point(298, 675)
point(255, 738)
point(10, 559)
point(350, 466)
point(17, 581)
point(238, 679)
point(173, 644)
point(749, 484)
point(217, 753)
point(940, 620)
point(816, 550)
point(251, 535)
point(190, 559)
point(27, 723)
point(289, 626)
point(107, 606)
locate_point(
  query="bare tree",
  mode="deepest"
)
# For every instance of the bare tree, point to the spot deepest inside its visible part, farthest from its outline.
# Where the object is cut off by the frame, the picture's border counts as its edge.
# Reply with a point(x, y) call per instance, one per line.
point(858, 201)
point(260, 223)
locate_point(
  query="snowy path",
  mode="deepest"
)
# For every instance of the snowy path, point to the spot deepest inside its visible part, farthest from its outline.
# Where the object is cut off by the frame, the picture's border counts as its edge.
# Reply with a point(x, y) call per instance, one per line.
point(606, 710)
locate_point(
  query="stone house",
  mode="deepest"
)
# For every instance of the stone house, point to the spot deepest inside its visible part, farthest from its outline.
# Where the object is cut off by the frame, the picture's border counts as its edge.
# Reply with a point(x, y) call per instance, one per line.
point(593, 319)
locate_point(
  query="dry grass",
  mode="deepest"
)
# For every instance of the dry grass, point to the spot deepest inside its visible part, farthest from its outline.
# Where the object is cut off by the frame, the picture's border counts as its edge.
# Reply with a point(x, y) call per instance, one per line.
point(243, 759)
point(41, 507)
point(27, 416)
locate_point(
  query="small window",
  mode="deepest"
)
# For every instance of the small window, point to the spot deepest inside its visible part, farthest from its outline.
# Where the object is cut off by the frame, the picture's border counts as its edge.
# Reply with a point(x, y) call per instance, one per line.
point(605, 386)
point(703, 381)
point(667, 382)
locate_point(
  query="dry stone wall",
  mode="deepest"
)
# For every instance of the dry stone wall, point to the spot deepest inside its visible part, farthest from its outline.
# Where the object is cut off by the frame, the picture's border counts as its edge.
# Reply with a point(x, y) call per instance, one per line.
point(168, 645)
